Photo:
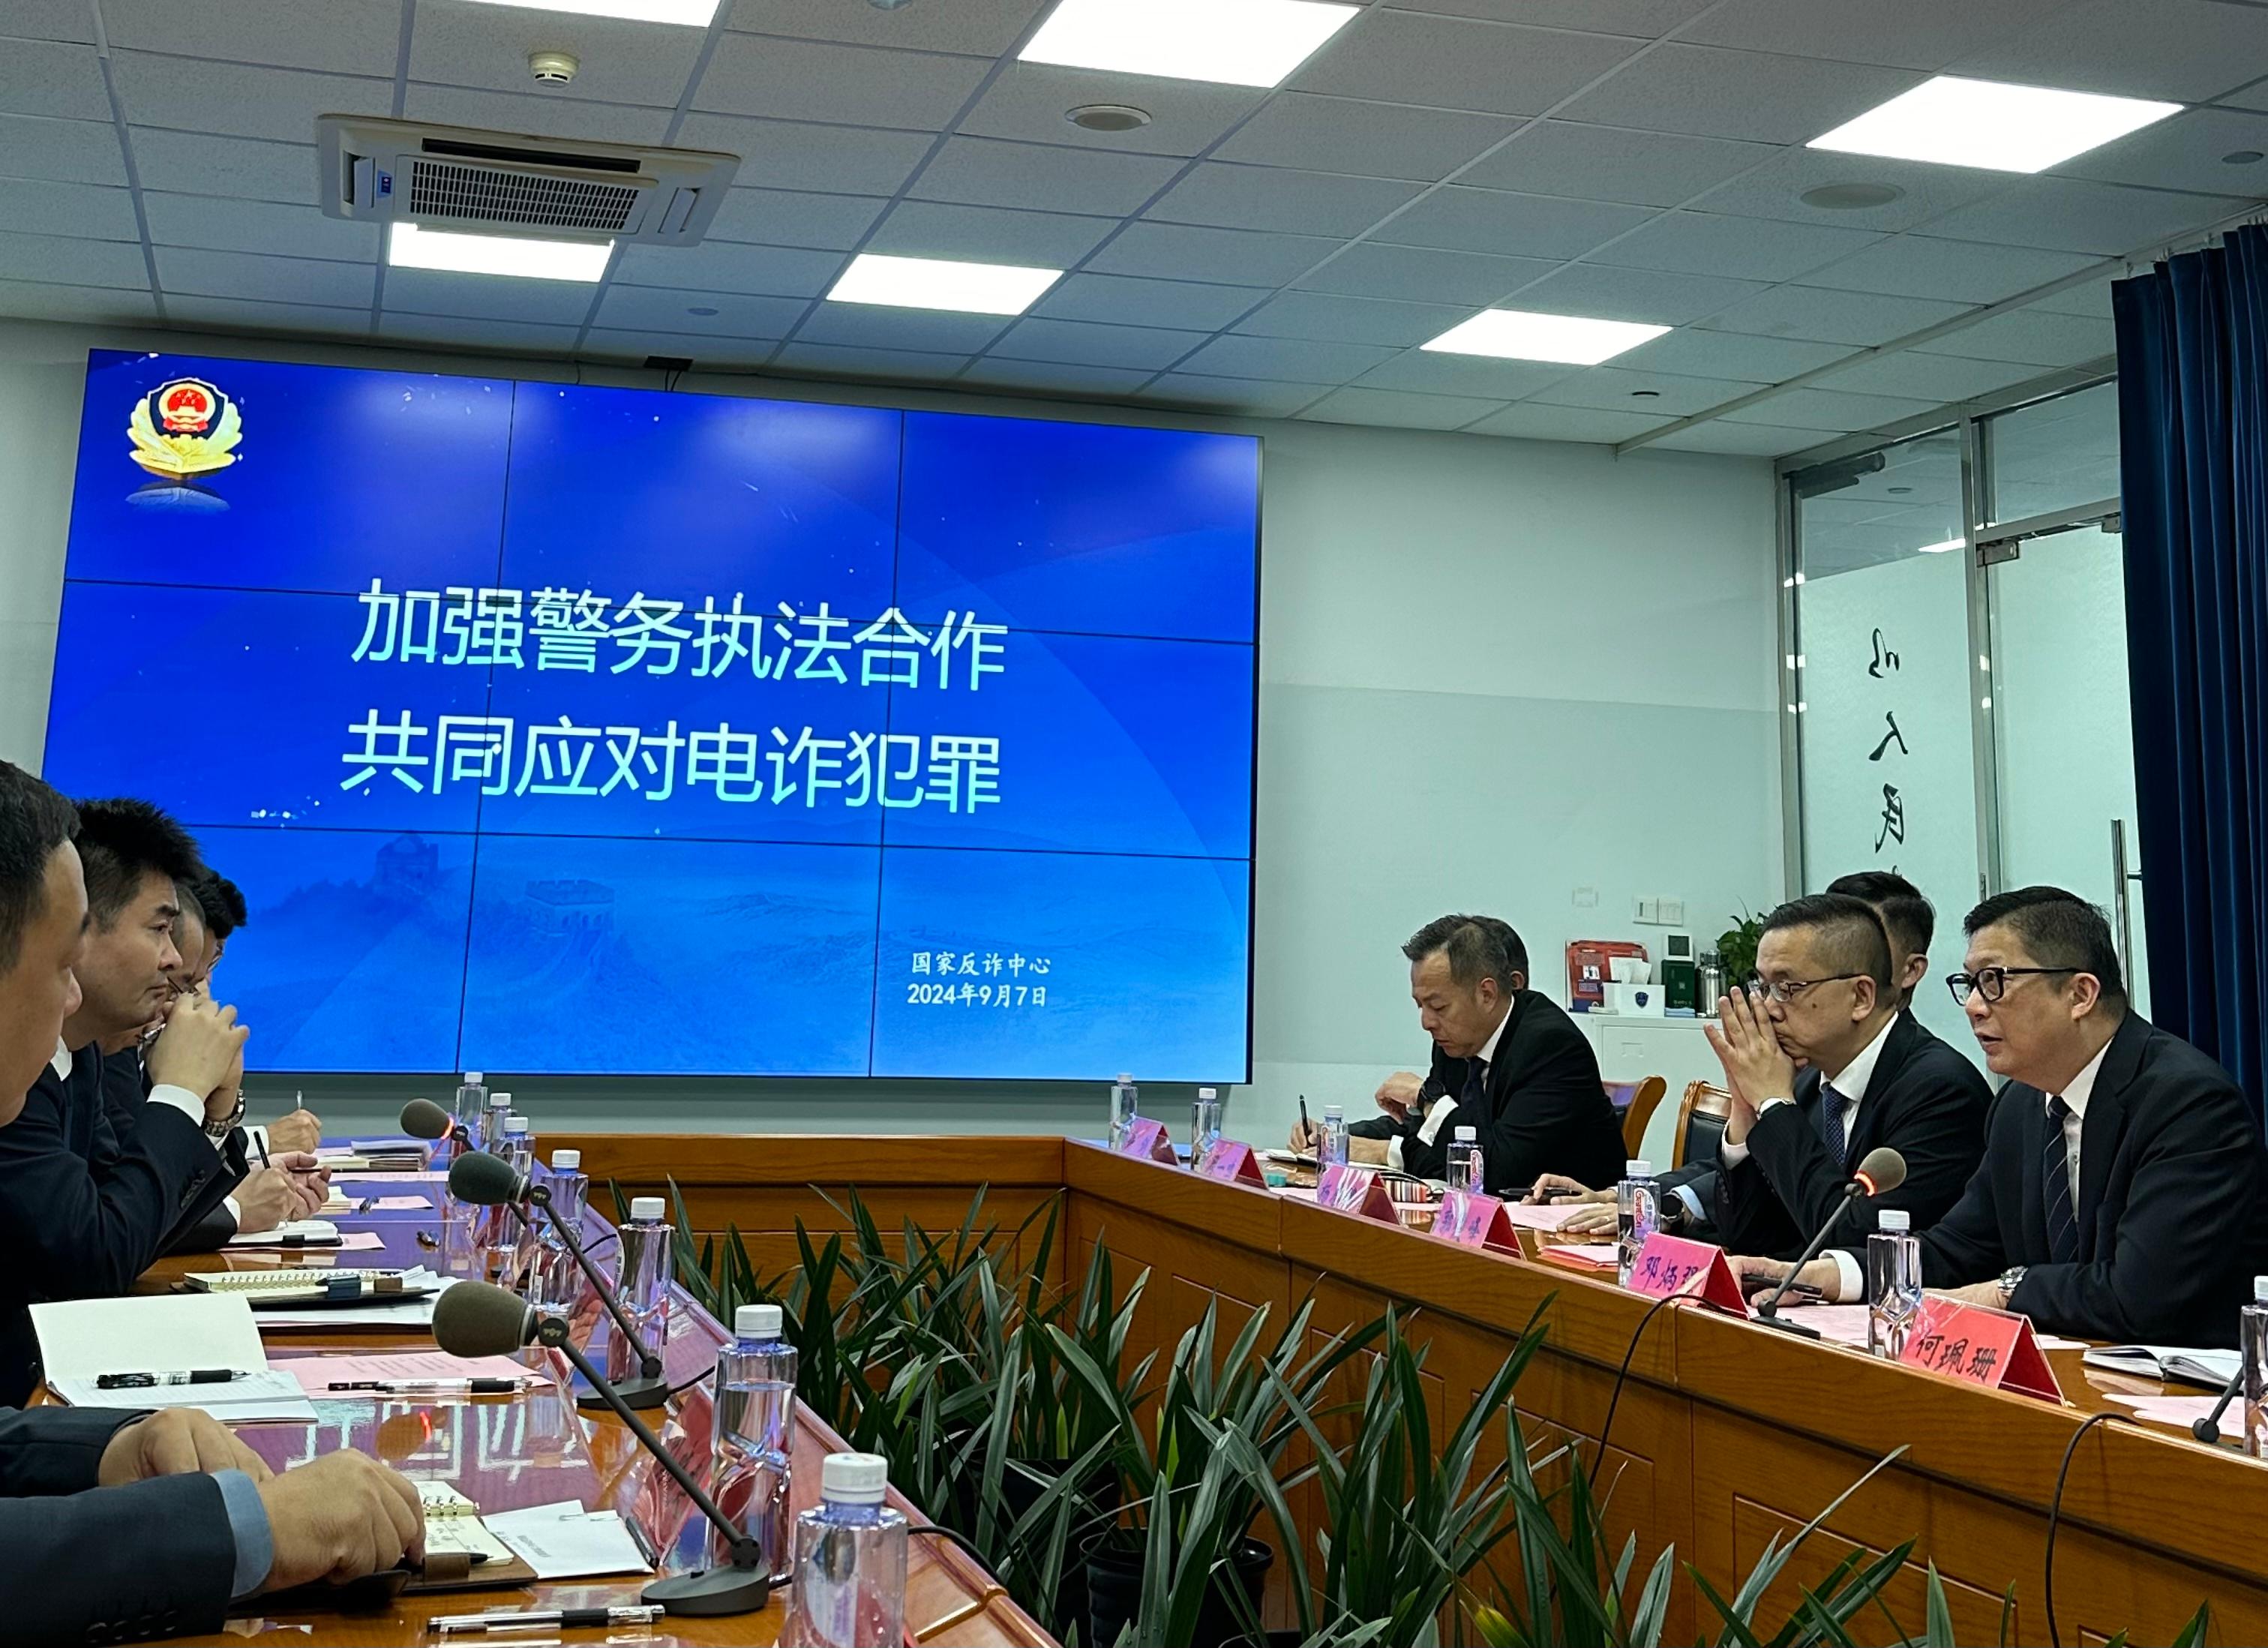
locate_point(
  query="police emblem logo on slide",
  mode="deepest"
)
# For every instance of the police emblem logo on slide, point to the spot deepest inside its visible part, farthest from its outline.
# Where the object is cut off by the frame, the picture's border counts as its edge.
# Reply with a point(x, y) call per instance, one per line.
point(183, 428)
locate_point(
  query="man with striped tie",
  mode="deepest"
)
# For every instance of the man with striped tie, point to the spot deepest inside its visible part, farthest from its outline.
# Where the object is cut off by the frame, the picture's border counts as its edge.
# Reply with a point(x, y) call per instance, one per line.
point(2123, 1193)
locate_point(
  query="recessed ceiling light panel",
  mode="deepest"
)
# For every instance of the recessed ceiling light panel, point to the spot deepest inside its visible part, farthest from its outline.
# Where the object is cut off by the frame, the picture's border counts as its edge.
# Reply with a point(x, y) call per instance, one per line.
point(903, 283)
point(692, 13)
point(1521, 335)
point(411, 246)
point(1232, 42)
point(1952, 122)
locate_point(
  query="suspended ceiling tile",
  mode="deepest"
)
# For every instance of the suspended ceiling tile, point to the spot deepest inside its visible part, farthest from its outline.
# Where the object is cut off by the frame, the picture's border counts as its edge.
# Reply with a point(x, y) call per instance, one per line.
point(726, 267)
point(488, 47)
point(834, 360)
point(1646, 18)
point(707, 353)
point(2075, 215)
point(41, 300)
point(2183, 51)
point(1741, 440)
point(1954, 271)
point(1601, 292)
point(2185, 152)
point(236, 99)
point(1394, 408)
point(1531, 421)
point(730, 314)
point(1133, 301)
point(1229, 256)
point(1364, 139)
point(1031, 102)
point(69, 209)
point(1291, 360)
point(1482, 377)
point(856, 86)
point(242, 314)
point(249, 225)
point(1943, 379)
point(1458, 63)
point(1709, 93)
point(797, 155)
point(1426, 275)
point(1829, 410)
point(878, 327)
point(988, 234)
point(1332, 317)
point(519, 337)
point(272, 279)
point(1745, 248)
point(355, 37)
point(487, 297)
point(1897, 33)
point(1510, 226)
point(1652, 394)
point(983, 28)
point(790, 218)
point(1776, 189)
point(62, 261)
point(1247, 397)
point(1823, 316)
point(1610, 163)
point(525, 114)
point(1046, 177)
point(1052, 378)
point(61, 150)
point(1281, 199)
point(245, 168)
point(1088, 343)
point(1701, 353)
point(2034, 337)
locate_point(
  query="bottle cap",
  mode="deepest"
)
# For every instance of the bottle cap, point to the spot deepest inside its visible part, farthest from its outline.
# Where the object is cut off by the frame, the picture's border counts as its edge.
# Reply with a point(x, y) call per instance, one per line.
point(1333, 1110)
point(499, 1102)
point(1208, 1093)
point(474, 1078)
point(757, 1321)
point(514, 1126)
point(566, 1161)
point(1466, 1135)
point(1123, 1077)
point(2260, 1289)
point(1635, 1168)
point(1894, 1218)
point(645, 1209)
point(854, 1478)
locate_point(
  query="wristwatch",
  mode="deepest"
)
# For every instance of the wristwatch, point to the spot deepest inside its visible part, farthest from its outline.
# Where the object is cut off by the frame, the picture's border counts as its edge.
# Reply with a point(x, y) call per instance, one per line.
point(2010, 1280)
point(227, 1124)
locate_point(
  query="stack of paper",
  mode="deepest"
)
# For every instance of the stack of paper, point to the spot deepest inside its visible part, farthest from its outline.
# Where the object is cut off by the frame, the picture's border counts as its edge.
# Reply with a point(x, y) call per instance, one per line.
point(81, 1339)
point(565, 1542)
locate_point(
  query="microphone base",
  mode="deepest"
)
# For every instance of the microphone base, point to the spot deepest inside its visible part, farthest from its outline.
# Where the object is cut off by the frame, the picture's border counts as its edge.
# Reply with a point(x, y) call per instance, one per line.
point(712, 1592)
point(641, 1394)
point(1797, 1329)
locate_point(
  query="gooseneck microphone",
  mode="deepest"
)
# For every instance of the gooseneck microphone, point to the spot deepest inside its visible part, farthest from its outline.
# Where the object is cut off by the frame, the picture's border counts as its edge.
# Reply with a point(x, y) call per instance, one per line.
point(478, 1318)
point(421, 1118)
point(1881, 1169)
point(487, 1181)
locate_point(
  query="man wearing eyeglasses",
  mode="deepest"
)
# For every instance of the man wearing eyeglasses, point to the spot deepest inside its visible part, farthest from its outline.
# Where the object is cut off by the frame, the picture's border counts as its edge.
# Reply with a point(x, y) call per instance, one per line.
point(1826, 998)
point(2123, 1193)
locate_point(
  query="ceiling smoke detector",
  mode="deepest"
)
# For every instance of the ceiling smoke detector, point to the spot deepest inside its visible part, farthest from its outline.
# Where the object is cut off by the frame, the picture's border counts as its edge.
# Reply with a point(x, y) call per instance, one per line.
point(553, 68)
point(1108, 117)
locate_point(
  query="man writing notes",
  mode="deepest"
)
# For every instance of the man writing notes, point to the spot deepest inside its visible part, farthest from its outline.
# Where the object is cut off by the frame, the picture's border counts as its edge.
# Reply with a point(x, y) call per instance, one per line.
point(1507, 1062)
point(1872, 1076)
point(2123, 1193)
point(120, 1524)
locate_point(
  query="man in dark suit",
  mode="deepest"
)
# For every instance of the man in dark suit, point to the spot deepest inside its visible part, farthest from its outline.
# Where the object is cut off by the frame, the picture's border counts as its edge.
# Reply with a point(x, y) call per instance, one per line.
point(1871, 1076)
point(121, 1524)
point(1907, 915)
point(1507, 1062)
point(86, 1198)
point(2123, 1193)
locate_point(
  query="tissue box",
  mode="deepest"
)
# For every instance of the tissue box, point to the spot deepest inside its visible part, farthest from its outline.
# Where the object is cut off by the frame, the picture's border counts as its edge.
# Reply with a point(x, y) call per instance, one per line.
point(1643, 1001)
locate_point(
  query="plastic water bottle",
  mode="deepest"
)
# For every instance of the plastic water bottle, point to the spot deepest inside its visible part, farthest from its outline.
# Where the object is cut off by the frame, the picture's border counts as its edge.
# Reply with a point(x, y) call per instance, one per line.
point(646, 1241)
point(850, 1562)
point(1331, 1149)
point(559, 1280)
point(489, 1133)
point(2252, 1345)
point(1205, 1122)
point(1893, 1282)
point(472, 1101)
point(753, 1441)
point(502, 1260)
point(1125, 1108)
point(1638, 1215)
point(1465, 1160)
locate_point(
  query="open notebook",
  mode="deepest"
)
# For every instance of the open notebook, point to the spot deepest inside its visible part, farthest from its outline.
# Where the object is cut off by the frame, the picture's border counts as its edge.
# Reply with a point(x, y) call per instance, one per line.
point(2215, 1368)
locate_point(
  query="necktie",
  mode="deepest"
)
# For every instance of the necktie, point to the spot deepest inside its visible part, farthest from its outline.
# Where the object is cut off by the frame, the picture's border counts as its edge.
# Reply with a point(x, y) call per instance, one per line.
point(1476, 1093)
point(1832, 1107)
point(2054, 1186)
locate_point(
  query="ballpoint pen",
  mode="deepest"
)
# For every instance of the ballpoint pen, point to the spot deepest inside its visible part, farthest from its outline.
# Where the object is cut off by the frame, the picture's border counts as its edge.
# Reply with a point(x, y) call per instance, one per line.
point(434, 1388)
point(541, 1619)
point(145, 1381)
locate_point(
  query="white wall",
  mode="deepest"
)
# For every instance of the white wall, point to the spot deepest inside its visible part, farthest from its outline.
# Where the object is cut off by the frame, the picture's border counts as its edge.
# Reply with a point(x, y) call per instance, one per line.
point(1493, 672)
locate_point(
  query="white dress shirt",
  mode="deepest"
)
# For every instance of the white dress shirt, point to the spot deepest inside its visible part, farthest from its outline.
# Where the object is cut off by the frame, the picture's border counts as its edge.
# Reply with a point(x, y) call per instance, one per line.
point(1437, 1114)
point(2081, 1088)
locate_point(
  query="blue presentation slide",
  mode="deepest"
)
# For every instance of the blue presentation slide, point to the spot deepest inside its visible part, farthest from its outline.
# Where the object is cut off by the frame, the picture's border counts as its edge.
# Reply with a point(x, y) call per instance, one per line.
point(555, 729)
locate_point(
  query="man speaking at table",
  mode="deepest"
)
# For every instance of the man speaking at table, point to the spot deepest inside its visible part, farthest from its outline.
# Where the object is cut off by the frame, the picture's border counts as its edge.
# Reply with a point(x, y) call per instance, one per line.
point(117, 1525)
point(1507, 1062)
point(1872, 1076)
point(2123, 1193)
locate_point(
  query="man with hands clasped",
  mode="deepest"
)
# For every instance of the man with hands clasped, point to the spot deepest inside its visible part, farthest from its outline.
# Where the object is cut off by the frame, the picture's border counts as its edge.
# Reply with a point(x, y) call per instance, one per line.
point(2123, 1193)
point(121, 1525)
point(1824, 1067)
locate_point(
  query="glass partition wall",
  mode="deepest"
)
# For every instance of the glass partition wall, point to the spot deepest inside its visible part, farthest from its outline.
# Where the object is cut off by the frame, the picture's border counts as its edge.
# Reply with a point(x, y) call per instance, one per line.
point(1956, 703)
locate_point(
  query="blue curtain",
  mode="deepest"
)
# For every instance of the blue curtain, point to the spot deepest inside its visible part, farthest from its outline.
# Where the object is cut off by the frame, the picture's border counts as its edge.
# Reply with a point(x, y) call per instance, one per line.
point(2193, 431)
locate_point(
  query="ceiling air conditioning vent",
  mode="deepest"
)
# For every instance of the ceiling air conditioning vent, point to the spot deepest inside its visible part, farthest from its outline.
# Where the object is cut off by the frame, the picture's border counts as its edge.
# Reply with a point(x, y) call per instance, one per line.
point(381, 171)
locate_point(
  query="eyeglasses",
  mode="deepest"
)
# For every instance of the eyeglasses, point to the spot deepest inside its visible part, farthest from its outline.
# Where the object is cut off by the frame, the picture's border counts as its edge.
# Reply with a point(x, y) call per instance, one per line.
point(1787, 990)
point(1992, 983)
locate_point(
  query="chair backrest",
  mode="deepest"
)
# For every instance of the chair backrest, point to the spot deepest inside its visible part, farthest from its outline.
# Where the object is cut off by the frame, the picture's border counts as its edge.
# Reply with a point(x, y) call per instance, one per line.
point(1636, 1102)
point(1701, 1116)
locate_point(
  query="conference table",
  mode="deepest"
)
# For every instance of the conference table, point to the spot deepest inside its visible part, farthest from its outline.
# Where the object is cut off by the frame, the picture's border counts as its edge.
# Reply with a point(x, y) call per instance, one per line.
point(507, 1452)
point(1726, 1435)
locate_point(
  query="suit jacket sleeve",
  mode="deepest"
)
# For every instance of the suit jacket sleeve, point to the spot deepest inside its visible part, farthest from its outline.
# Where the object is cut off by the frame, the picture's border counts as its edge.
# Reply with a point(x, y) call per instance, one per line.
point(1966, 1246)
point(2190, 1205)
point(1435, 1086)
point(77, 1229)
point(1550, 1120)
point(92, 1565)
point(205, 1225)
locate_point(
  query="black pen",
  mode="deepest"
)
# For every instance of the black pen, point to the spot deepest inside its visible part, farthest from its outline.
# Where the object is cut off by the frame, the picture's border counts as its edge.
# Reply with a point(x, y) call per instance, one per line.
point(1306, 1127)
point(145, 1381)
point(260, 1143)
point(533, 1619)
